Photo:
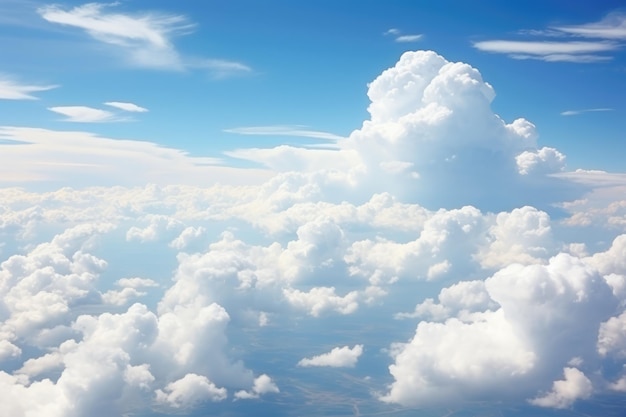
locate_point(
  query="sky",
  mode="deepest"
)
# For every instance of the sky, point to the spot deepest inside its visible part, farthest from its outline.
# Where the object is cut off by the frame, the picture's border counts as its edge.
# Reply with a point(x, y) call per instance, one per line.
point(312, 208)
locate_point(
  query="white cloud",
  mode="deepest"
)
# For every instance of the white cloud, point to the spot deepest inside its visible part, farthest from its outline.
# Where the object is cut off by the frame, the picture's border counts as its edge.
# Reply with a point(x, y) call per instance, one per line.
point(392, 31)
point(577, 112)
point(83, 114)
point(398, 37)
point(83, 159)
point(284, 130)
point(409, 38)
point(613, 26)
point(547, 50)
point(13, 90)
point(322, 299)
point(145, 38)
point(189, 391)
point(262, 385)
point(130, 107)
point(348, 236)
point(136, 282)
point(339, 357)
point(605, 33)
point(565, 392)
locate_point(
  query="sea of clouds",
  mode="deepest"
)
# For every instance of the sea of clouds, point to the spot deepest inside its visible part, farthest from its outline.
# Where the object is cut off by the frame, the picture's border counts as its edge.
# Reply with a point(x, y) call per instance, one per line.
point(116, 297)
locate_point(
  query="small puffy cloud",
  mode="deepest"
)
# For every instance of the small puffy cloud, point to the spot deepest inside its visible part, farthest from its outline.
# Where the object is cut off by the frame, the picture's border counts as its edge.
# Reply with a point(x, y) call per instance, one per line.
point(320, 300)
point(83, 114)
point(262, 385)
point(121, 297)
point(13, 90)
point(130, 107)
point(612, 336)
point(544, 160)
point(188, 235)
point(8, 350)
point(565, 392)
point(339, 357)
point(190, 390)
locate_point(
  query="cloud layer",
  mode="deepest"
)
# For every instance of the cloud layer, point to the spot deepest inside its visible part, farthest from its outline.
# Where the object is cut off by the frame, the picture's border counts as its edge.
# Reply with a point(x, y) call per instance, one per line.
point(423, 247)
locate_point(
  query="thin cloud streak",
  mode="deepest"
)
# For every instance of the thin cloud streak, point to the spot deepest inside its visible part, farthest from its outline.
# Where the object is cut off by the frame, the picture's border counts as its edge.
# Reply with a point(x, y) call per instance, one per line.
point(83, 114)
point(409, 38)
point(606, 34)
point(545, 48)
point(12, 90)
point(130, 107)
point(612, 26)
point(284, 130)
point(577, 112)
point(145, 38)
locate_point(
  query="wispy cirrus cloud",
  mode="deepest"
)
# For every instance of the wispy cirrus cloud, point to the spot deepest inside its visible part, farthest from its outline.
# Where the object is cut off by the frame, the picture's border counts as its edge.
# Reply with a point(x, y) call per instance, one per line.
point(577, 112)
point(604, 37)
point(145, 39)
point(284, 130)
point(11, 89)
point(397, 34)
point(130, 107)
point(574, 51)
point(83, 114)
point(613, 26)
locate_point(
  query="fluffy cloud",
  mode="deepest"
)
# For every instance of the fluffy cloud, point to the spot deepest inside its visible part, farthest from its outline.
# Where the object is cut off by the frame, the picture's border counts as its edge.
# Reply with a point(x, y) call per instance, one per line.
point(263, 384)
point(564, 392)
point(509, 296)
point(189, 391)
point(338, 357)
point(431, 131)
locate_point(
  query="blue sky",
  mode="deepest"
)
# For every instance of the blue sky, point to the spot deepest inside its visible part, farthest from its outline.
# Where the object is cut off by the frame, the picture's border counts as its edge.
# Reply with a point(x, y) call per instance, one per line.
point(312, 208)
point(308, 64)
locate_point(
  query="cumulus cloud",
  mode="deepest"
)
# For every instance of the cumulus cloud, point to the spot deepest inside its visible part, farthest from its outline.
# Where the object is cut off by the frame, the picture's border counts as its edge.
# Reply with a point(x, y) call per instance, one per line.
point(498, 298)
point(189, 391)
point(432, 130)
point(263, 384)
point(339, 357)
point(566, 391)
